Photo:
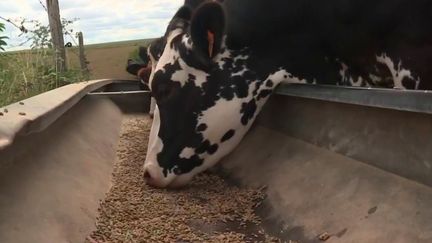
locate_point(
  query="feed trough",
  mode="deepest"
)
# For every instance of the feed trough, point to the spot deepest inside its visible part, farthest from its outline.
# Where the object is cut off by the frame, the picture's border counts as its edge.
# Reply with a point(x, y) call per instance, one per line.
point(321, 163)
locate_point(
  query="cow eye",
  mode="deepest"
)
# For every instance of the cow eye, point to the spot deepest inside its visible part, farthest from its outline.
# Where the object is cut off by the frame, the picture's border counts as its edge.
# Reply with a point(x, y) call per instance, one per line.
point(177, 171)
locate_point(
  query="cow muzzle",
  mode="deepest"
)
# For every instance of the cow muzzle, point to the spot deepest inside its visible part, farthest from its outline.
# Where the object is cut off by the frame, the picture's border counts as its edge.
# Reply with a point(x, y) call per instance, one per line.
point(153, 176)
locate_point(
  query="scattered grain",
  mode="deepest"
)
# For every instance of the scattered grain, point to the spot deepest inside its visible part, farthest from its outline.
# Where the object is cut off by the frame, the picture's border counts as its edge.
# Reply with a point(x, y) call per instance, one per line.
point(208, 210)
point(324, 236)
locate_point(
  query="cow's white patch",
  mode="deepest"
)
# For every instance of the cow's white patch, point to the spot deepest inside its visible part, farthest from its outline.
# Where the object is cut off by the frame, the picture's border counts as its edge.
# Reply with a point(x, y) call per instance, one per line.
point(200, 76)
point(186, 42)
point(152, 105)
point(225, 114)
point(220, 118)
point(241, 57)
point(169, 55)
point(357, 83)
point(182, 75)
point(239, 73)
point(375, 79)
point(346, 78)
point(179, 76)
point(398, 73)
point(187, 152)
point(285, 77)
point(219, 59)
point(155, 144)
point(153, 64)
point(294, 79)
point(343, 73)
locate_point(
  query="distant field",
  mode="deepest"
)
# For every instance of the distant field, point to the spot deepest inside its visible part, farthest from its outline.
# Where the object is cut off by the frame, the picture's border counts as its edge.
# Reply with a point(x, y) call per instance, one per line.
point(108, 60)
point(144, 42)
point(27, 73)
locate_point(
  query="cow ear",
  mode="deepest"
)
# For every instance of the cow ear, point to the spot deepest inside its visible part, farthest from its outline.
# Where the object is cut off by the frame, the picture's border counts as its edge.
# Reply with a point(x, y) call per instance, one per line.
point(184, 13)
point(193, 4)
point(207, 28)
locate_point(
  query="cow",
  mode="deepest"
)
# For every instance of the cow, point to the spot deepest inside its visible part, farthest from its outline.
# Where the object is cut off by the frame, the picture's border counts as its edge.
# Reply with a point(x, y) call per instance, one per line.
point(218, 63)
point(142, 69)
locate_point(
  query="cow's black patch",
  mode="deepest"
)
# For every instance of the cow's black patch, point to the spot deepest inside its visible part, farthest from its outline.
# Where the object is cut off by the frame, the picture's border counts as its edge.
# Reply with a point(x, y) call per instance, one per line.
point(239, 62)
point(241, 87)
point(191, 78)
point(228, 64)
point(206, 146)
point(227, 92)
point(228, 135)
point(186, 165)
point(264, 93)
point(248, 111)
point(202, 127)
point(269, 83)
point(156, 47)
point(257, 86)
point(212, 149)
point(177, 170)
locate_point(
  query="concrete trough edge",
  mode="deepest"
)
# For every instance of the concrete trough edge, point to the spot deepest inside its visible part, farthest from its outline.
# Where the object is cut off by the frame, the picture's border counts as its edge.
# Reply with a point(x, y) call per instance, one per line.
point(37, 113)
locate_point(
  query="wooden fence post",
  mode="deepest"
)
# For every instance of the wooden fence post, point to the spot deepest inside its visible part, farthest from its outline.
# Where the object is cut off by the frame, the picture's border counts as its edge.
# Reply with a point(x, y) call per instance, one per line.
point(82, 58)
point(56, 34)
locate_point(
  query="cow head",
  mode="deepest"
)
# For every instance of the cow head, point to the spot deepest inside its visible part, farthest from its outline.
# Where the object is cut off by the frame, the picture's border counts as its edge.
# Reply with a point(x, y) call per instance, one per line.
point(206, 97)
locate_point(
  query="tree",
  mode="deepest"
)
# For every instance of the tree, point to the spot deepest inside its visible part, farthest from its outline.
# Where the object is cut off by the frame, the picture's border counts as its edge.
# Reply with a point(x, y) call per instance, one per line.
point(56, 34)
point(2, 38)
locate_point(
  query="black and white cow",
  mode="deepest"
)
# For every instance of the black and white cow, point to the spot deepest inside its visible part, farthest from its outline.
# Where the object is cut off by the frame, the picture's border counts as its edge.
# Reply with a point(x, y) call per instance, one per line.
point(217, 65)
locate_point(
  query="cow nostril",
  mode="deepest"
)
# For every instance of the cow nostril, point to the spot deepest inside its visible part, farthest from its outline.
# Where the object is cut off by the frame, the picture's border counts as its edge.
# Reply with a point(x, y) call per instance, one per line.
point(147, 175)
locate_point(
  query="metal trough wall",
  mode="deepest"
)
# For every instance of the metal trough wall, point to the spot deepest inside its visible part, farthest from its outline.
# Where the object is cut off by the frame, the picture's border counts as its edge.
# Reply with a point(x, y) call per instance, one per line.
point(334, 162)
point(387, 129)
point(56, 158)
point(51, 181)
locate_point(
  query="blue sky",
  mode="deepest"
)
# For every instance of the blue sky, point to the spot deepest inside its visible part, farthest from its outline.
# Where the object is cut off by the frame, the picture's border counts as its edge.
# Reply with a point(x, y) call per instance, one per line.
point(99, 20)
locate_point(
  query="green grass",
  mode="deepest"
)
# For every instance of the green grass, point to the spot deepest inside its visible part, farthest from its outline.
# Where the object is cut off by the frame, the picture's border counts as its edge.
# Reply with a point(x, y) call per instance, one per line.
point(26, 73)
point(29, 73)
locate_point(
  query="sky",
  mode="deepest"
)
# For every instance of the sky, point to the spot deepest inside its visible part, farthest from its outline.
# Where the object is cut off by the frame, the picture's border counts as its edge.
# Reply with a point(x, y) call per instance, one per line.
point(99, 20)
